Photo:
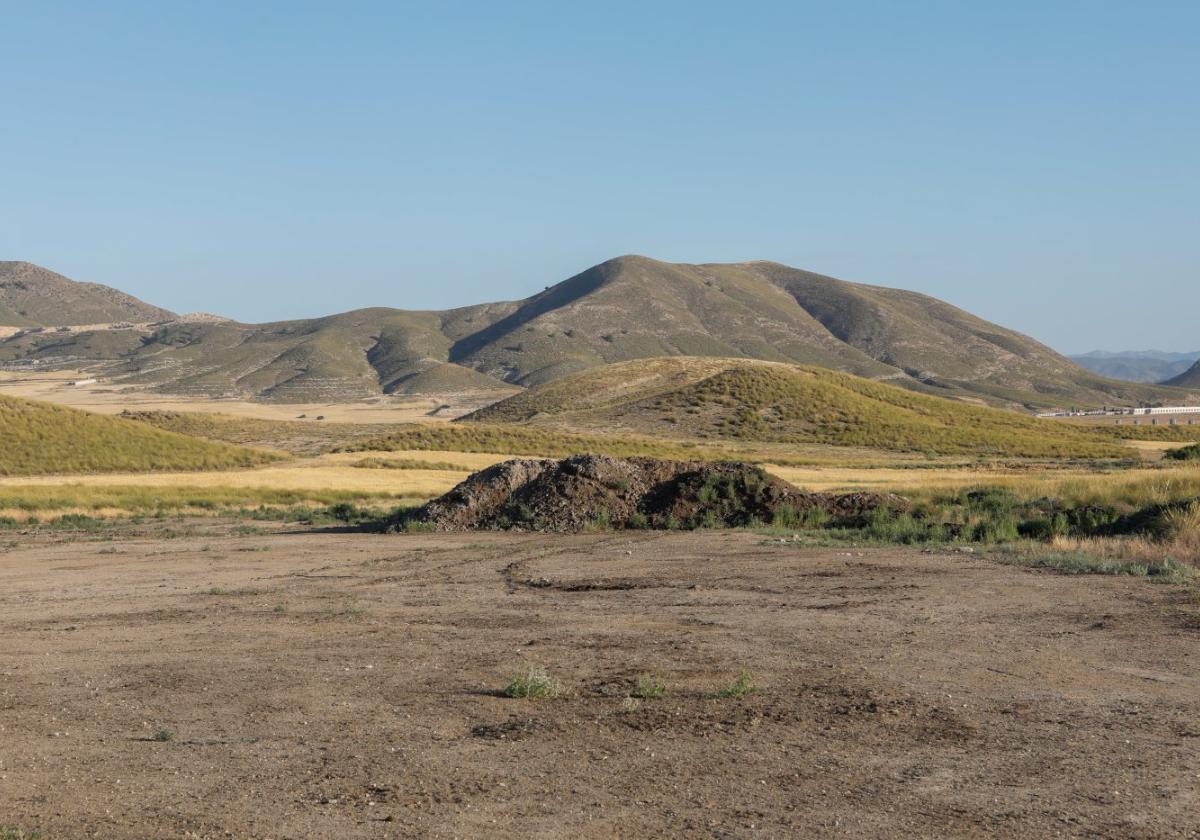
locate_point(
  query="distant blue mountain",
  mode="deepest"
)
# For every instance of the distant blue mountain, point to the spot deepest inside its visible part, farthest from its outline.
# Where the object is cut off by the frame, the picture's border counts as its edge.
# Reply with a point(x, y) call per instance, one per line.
point(1137, 365)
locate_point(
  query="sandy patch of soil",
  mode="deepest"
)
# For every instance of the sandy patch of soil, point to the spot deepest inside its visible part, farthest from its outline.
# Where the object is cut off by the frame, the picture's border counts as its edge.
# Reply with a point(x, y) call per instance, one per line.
point(347, 685)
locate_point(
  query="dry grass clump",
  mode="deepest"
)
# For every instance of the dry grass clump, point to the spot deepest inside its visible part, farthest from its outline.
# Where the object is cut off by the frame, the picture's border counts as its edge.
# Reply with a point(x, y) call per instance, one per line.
point(1180, 530)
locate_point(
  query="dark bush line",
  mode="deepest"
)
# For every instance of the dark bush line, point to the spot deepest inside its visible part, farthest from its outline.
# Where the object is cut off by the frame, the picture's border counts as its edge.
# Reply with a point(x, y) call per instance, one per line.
point(1186, 453)
point(987, 516)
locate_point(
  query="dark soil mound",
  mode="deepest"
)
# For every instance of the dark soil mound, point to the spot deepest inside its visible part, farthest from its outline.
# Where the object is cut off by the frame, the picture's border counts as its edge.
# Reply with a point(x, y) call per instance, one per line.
point(590, 491)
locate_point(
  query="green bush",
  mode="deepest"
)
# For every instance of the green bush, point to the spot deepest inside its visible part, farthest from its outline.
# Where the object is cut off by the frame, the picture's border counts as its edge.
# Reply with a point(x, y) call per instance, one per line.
point(1186, 453)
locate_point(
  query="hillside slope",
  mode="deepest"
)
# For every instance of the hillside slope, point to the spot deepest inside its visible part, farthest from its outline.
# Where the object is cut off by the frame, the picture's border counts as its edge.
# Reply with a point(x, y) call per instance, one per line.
point(1190, 378)
point(626, 308)
point(40, 439)
point(32, 296)
point(744, 400)
point(634, 307)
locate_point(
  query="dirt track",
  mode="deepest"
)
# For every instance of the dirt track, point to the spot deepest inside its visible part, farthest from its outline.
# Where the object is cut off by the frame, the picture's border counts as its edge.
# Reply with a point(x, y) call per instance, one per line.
point(345, 685)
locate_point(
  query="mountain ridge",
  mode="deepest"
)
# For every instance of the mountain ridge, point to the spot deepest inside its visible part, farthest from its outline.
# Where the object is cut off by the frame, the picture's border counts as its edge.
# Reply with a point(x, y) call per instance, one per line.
point(629, 307)
point(1150, 366)
point(32, 296)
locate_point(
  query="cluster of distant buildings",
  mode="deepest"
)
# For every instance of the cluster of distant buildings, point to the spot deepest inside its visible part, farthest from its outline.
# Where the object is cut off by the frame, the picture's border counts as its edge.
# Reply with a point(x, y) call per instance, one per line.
point(1174, 414)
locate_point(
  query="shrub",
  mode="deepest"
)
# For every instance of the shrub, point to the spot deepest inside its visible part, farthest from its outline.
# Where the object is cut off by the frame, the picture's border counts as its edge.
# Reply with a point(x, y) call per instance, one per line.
point(533, 683)
point(743, 685)
point(1045, 528)
point(637, 520)
point(346, 512)
point(600, 522)
point(810, 519)
point(997, 530)
point(1186, 453)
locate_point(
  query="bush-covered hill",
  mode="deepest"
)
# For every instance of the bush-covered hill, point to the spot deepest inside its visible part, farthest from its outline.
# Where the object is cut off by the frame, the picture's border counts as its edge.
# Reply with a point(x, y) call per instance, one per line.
point(38, 439)
point(737, 399)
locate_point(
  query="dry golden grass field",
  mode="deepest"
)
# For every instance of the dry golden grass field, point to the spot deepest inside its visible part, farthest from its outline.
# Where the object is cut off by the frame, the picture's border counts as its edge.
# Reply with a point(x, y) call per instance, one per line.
point(106, 398)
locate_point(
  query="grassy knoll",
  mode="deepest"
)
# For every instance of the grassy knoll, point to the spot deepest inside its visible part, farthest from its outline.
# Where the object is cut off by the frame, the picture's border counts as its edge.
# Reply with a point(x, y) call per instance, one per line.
point(41, 439)
point(741, 400)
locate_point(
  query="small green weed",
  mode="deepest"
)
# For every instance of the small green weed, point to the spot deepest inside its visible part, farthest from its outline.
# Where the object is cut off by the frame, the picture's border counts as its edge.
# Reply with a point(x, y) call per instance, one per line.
point(743, 685)
point(649, 687)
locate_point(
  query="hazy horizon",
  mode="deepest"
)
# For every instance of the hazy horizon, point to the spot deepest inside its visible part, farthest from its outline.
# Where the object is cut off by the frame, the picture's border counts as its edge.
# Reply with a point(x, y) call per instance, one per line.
point(1032, 164)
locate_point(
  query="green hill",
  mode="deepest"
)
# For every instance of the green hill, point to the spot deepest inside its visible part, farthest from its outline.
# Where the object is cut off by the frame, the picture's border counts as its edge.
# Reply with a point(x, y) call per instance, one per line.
point(743, 400)
point(40, 439)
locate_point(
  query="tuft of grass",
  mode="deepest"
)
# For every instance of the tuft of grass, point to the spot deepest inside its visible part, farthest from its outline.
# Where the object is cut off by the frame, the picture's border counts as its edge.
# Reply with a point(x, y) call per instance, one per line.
point(649, 687)
point(222, 592)
point(740, 687)
point(163, 736)
point(533, 683)
point(1180, 528)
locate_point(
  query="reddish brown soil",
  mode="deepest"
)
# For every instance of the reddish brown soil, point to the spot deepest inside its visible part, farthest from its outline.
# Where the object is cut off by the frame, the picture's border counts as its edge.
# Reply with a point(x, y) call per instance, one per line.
point(903, 694)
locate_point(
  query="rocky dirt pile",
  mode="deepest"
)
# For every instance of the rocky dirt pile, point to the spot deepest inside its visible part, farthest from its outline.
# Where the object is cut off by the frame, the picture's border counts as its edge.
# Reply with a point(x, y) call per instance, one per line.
point(596, 491)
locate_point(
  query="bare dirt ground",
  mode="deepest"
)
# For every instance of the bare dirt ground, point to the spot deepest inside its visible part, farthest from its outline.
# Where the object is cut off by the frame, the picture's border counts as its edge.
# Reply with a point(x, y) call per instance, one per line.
point(347, 685)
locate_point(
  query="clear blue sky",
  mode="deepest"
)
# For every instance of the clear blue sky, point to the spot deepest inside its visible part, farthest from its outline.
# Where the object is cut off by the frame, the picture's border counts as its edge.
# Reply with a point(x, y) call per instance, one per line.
point(1035, 162)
